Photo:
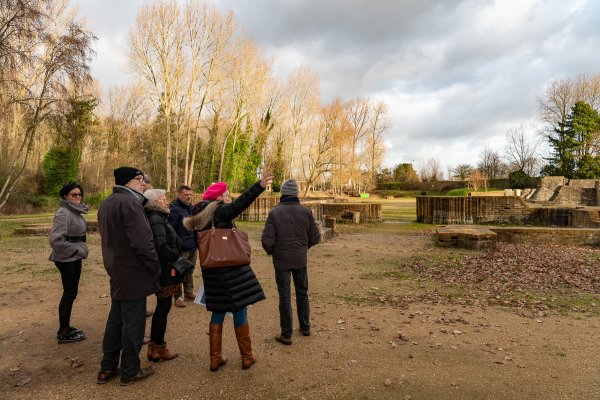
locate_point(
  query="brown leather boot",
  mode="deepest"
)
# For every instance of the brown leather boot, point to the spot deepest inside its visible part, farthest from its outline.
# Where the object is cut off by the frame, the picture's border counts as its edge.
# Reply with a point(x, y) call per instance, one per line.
point(242, 334)
point(215, 334)
point(161, 352)
point(150, 350)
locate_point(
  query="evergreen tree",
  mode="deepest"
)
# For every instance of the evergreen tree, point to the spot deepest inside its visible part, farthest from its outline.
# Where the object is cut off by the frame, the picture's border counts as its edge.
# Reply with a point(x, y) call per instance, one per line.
point(573, 145)
point(584, 125)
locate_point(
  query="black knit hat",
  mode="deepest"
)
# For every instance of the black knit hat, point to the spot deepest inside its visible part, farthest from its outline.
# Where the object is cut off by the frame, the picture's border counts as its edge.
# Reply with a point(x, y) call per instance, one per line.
point(125, 174)
point(67, 187)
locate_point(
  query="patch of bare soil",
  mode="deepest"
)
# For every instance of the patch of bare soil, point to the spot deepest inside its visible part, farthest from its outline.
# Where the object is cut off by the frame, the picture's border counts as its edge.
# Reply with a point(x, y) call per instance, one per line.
point(363, 344)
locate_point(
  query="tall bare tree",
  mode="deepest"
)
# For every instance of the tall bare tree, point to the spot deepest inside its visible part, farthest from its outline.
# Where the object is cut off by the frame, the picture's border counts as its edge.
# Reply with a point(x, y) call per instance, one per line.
point(490, 163)
point(208, 37)
point(320, 152)
point(430, 170)
point(57, 57)
point(302, 104)
point(521, 151)
point(358, 116)
point(156, 55)
point(375, 146)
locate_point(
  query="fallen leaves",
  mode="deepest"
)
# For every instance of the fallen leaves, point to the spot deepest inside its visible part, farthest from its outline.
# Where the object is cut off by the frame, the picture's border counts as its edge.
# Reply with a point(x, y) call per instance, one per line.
point(512, 274)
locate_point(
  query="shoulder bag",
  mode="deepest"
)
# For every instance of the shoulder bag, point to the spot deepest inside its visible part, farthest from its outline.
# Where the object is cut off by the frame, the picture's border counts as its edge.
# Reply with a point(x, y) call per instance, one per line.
point(223, 247)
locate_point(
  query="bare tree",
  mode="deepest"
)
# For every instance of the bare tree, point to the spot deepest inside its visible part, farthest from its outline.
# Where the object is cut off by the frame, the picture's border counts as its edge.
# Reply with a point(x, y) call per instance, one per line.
point(358, 117)
point(208, 36)
point(320, 154)
point(490, 163)
point(156, 55)
point(302, 104)
point(521, 151)
point(462, 171)
point(430, 170)
point(477, 180)
point(57, 57)
point(375, 147)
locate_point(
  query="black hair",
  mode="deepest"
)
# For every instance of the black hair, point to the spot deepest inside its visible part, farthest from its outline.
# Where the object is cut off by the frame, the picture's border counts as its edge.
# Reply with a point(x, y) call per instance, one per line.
point(67, 187)
point(182, 188)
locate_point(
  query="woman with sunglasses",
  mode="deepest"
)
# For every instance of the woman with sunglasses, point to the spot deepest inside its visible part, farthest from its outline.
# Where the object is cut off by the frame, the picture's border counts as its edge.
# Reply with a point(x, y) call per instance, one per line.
point(67, 239)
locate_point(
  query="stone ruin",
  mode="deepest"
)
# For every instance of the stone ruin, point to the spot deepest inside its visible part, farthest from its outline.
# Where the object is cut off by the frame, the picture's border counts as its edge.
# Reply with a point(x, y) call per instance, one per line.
point(562, 210)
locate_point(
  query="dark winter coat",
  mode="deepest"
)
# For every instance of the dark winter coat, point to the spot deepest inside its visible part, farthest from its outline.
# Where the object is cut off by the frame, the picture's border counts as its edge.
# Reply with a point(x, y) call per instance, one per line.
point(127, 246)
point(180, 210)
point(68, 232)
point(231, 288)
point(290, 230)
point(167, 246)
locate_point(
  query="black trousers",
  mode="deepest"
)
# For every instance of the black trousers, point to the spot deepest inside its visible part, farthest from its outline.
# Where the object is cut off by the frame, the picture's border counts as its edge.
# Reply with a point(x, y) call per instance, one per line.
point(123, 336)
point(300, 277)
point(159, 320)
point(70, 272)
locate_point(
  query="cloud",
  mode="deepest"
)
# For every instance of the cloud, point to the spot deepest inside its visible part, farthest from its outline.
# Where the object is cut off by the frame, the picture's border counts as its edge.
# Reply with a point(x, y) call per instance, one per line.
point(456, 74)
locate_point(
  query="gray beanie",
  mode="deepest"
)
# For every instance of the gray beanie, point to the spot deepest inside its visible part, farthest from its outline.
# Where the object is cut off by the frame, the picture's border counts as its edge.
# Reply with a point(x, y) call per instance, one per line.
point(289, 188)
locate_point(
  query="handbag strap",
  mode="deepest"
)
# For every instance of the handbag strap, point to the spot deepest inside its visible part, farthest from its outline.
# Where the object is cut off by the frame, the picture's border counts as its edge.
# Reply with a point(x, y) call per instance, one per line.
point(212, 224)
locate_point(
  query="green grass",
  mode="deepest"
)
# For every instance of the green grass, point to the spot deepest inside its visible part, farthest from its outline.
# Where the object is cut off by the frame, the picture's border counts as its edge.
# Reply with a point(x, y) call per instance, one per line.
point(465, 191)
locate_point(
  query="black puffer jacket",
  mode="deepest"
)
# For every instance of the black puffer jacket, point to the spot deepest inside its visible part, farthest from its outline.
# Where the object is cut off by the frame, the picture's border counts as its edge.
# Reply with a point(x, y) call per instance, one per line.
point(167, 246)
point(230, 288)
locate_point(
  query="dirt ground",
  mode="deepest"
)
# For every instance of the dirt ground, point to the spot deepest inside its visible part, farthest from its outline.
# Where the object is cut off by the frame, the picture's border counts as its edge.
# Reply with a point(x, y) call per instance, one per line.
point(363, 345)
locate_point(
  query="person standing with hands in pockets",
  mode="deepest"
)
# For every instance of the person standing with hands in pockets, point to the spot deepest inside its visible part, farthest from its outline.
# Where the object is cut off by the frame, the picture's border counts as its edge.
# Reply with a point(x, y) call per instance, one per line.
point(67, 239)
point(290, 230)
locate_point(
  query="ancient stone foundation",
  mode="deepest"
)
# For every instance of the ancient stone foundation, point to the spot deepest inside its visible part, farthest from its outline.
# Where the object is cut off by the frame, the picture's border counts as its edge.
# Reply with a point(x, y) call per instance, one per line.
point(503, 210)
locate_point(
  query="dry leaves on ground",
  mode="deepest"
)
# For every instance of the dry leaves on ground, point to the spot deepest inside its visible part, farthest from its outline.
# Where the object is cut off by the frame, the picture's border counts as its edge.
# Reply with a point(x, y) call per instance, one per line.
point(511, 272)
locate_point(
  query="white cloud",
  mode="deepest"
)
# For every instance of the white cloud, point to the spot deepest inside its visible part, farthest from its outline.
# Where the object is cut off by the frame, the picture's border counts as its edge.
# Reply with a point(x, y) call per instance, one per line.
point(456, 74)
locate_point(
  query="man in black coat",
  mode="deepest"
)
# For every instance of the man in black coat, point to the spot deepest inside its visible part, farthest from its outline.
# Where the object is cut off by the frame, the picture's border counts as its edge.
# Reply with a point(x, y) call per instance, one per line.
point(289, 232)
point(132, 264)
point(180, 209)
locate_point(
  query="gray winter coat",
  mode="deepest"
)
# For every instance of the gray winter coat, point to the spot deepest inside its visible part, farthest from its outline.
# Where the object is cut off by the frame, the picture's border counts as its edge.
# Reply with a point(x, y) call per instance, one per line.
point(68, 230)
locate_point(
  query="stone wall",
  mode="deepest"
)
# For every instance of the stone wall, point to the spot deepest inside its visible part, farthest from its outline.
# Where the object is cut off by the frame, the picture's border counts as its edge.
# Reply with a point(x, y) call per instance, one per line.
point(473, 210)
point(562, 191)
point(501, 209)
point(259, 209)
point(369, 212)
point(575, 196)
point(547, 187)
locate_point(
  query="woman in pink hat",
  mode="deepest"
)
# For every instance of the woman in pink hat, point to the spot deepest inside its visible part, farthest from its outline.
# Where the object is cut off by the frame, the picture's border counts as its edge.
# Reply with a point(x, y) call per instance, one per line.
point(228, 289)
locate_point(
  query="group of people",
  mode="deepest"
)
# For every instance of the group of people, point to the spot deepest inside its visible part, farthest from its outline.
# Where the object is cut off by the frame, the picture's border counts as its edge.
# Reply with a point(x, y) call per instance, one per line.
point(143, 237)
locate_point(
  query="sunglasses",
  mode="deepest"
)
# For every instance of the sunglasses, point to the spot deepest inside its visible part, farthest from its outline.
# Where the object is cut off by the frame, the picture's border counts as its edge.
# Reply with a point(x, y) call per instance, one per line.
point(76, 194)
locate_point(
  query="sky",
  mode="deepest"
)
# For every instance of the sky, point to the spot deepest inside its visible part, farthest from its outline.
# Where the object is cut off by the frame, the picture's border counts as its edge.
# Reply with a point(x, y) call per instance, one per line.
point(456, 75)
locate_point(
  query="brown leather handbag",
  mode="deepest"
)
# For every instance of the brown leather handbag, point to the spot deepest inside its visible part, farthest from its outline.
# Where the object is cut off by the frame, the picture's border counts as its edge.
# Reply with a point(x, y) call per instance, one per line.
point(221, 247)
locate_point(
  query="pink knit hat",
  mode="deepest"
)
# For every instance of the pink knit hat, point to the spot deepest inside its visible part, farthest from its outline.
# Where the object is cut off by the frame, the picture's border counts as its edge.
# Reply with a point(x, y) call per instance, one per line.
point(215, 190)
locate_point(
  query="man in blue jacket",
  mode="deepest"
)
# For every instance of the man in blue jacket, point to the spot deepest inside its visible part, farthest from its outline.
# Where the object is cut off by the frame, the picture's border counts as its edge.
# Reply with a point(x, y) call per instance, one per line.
point(181, 208)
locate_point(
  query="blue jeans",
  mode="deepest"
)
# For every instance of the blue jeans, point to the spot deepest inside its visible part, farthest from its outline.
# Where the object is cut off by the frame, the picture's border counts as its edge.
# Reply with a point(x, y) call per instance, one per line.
point(239, 318)
point(300, 276)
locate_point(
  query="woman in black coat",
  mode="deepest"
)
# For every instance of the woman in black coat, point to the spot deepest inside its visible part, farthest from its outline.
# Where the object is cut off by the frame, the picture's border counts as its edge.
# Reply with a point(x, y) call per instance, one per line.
point(168, 251)
point(228, 289)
